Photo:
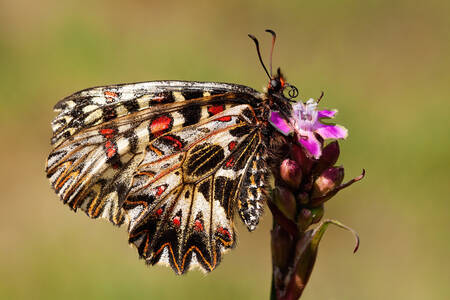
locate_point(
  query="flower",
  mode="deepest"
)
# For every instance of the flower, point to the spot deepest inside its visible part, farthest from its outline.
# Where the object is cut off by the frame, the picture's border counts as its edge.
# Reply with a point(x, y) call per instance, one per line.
point(305, 122)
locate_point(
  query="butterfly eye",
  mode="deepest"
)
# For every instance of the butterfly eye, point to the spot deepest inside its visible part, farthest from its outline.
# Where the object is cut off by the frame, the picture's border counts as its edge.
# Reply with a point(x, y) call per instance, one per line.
point(274, 84)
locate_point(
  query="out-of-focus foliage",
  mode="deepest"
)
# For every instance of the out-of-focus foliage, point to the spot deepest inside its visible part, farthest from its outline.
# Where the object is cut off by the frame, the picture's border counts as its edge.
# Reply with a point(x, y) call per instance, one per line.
point(384, 64)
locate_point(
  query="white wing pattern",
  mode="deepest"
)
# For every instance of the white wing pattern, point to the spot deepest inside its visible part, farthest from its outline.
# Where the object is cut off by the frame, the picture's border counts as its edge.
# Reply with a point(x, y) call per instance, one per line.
point(173, 160)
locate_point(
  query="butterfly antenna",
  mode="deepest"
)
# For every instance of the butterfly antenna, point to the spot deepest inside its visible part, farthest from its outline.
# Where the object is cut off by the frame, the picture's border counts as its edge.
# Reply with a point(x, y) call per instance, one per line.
point(274, 37)
point(259, 53)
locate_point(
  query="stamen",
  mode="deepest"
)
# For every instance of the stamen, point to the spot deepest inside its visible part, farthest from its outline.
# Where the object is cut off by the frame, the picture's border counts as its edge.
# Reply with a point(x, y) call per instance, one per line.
point(320, 97)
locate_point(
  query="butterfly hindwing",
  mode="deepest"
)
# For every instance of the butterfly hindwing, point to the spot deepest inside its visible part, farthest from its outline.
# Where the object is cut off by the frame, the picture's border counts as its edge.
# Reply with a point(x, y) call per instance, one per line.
point(188, 219)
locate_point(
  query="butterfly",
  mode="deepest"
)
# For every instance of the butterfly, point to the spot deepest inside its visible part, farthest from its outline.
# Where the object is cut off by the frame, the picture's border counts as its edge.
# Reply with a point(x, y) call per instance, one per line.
point(172, 160)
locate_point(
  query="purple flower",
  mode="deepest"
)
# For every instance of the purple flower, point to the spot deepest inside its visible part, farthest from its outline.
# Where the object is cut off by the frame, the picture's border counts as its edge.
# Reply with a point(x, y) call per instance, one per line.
point(305, 122)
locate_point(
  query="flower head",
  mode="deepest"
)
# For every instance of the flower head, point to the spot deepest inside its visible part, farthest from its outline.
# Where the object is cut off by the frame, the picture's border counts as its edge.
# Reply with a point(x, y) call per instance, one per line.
point(305, 122)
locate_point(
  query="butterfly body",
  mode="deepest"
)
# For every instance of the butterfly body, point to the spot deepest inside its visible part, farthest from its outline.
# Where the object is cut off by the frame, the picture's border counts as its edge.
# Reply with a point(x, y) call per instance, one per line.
point(173, 160)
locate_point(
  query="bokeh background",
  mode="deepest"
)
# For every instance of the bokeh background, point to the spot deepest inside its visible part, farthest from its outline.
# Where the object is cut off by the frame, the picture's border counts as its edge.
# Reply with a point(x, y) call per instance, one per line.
point(384, 64)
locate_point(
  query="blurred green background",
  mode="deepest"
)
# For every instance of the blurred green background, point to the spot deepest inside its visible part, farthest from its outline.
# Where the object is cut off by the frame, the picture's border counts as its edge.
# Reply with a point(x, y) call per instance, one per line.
point(384, 64)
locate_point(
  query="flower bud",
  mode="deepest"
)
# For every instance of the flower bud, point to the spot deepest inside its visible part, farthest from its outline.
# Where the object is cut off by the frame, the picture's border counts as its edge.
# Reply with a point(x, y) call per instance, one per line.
point(330, 155)
point(304, 219)
point(291, 173)
point(285, 201)
point(302, 198)
point(328, 181)
point(305, 163)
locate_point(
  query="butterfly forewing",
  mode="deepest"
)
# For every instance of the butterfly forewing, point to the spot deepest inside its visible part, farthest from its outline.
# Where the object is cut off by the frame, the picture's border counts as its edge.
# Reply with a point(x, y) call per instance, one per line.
point(98, 105)
point(172, 159)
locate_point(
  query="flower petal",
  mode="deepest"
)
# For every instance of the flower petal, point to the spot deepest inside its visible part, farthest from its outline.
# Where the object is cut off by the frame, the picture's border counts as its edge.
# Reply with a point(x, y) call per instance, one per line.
point(311, 144)
point(331, 131)
point(327, 114)
point(279, 123)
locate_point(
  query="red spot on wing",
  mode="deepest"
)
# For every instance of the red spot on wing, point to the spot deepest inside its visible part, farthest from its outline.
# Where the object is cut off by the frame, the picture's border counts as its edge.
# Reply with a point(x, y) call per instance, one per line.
point(159, 211)
point(176, 143)
point(160, 125)
point(111, 149)
point(231, 145)
point(110, 152)
point(224, 232)
point(225, 119)
point(160, 189)
point(198, 226)
point(230, 162)
point(215, 109)
point(176, 221)
point(108, 133)
point(110, 96)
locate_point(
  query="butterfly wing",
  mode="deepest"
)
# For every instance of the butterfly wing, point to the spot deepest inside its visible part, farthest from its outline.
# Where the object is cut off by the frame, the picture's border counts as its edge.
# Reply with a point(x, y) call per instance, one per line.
point(144, 154)
point(94, 106)
point(181, 203)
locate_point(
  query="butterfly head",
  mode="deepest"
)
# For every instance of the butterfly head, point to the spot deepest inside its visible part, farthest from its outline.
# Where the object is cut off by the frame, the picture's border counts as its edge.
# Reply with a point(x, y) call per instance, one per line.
point(277, 83)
